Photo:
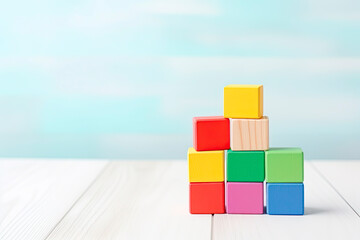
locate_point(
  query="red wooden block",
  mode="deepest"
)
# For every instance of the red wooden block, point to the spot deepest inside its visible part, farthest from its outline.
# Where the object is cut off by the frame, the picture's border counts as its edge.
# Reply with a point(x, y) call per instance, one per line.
point(207, 197)
point(211, 133)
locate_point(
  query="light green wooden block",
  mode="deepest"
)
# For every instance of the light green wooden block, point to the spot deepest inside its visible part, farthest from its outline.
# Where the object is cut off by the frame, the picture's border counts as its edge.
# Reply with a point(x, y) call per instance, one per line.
point(284, 165)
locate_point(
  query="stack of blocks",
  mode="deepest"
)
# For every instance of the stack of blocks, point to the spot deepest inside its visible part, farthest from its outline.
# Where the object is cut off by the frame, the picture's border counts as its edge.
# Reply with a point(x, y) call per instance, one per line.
point(244, 133)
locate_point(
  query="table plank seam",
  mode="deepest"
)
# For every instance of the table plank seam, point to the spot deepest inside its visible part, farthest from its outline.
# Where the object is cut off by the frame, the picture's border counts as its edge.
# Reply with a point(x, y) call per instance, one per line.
point(78, 199)
point(212, 227)
point(333, 187)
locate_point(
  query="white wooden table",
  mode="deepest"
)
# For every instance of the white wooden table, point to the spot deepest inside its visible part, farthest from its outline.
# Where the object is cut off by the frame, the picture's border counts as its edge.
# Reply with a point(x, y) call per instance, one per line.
point(99, 199)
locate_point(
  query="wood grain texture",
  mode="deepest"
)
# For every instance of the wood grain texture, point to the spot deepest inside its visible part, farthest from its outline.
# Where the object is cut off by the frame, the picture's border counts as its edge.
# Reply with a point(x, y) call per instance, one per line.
point(327, 216)
point(344, 176)
point(136, 200)
point(36, 194)
point(249, 134)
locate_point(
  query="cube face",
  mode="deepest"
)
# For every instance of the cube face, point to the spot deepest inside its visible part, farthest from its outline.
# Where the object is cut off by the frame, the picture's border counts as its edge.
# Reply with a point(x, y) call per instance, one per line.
point(207, 198)
point(245, 166)
point(206, 166)
point(284, 165)
point(243, 101)
point(285, 198)
point(249, 134)
point(211, 133)
point(246, 198)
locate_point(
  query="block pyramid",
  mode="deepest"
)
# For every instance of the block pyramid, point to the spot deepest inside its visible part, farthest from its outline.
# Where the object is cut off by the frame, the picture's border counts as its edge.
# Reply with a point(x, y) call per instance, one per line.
point(238, 142)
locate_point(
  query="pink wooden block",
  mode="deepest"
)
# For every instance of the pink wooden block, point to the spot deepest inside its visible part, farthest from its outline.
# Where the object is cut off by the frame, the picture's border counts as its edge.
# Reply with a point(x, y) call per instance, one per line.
point(245, 197)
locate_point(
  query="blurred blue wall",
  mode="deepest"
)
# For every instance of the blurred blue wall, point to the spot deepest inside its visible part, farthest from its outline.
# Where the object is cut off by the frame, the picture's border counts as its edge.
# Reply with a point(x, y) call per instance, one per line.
point(122, 79)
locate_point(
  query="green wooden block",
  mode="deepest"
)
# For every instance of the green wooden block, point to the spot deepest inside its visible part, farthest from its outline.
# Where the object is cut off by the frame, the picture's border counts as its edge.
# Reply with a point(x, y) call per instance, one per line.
point(284, 165)
point(245, 166)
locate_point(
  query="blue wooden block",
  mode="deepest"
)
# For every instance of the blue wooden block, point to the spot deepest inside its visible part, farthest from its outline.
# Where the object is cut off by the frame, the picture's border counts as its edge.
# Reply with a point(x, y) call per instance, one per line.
point(285, 198)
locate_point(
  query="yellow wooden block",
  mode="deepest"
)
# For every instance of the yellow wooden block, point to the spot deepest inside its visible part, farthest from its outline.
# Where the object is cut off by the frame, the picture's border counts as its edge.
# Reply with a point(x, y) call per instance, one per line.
point(206, 166)
point(243, 101)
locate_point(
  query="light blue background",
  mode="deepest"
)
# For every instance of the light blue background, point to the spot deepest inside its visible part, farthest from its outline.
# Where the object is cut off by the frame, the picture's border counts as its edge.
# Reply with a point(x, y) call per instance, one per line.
point(122, 79)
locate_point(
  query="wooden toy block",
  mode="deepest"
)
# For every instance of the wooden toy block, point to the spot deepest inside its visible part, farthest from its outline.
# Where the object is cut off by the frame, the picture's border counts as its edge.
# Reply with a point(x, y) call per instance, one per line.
point(245, 166)
point(207, 198)
point(206, 166)
point(249, 134)
point(211, 133)
point(243, 101)
point(246, 198)
point(285, 198)
point(284, 165)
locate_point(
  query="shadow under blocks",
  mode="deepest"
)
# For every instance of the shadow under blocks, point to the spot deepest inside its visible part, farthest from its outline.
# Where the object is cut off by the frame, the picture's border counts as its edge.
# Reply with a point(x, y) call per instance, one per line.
point(242, 134)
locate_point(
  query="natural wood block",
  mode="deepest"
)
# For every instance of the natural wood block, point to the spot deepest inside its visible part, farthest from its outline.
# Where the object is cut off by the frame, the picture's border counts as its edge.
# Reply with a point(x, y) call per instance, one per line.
point(243, 101)
point(249, 134)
